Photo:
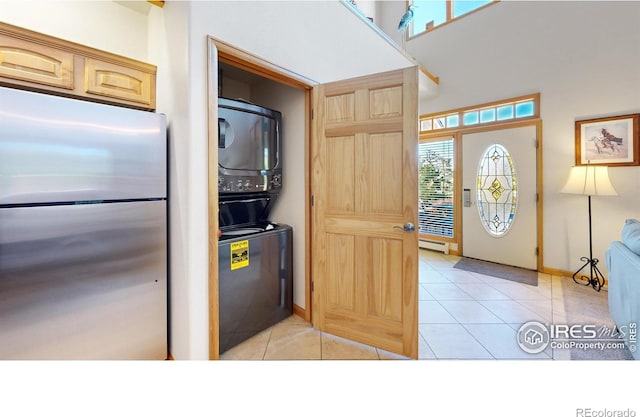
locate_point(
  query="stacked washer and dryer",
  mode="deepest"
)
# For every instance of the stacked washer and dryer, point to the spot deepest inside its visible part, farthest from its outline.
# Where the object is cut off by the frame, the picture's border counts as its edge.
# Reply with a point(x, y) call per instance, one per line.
point(255, 254)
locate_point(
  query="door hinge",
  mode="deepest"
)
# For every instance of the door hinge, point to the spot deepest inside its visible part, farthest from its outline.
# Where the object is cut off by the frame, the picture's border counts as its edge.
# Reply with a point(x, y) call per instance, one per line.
point(311, 286)
point(537, 251)
point(311, 114)
point(312, 200)
point(537, 197)
point(536, 143)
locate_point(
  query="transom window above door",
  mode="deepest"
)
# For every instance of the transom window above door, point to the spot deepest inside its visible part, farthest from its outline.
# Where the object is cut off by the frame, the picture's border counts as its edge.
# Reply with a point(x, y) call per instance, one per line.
point(519, 108)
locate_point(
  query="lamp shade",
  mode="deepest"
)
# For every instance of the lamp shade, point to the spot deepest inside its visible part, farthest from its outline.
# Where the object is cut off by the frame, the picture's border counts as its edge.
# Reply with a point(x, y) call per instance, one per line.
point(589, 180)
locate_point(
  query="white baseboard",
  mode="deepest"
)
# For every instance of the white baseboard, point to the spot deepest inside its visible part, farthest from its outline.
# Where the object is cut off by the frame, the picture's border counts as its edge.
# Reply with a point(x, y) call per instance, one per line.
point(435, 246)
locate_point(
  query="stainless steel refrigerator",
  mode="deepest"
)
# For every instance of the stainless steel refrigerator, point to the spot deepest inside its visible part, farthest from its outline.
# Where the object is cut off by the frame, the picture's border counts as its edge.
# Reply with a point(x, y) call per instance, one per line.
point(83, 230)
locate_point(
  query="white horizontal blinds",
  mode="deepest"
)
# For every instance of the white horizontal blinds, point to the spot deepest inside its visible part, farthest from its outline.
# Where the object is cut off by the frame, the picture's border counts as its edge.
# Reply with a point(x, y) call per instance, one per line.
point(436, 165)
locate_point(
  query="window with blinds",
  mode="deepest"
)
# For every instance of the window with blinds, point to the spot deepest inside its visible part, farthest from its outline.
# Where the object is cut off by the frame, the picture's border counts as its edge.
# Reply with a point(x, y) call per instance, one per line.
point(435, 176)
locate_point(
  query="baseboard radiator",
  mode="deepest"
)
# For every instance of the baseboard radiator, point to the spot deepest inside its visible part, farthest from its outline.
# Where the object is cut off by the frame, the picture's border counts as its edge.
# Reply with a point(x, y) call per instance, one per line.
point(434, 246)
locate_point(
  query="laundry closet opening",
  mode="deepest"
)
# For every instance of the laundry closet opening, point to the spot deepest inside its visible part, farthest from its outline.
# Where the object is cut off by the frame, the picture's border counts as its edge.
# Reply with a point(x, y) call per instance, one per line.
point(292, 100)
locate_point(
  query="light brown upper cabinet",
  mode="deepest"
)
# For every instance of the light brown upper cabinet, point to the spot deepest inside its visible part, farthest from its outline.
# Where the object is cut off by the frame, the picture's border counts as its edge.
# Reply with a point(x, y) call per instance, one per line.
point(43, 63)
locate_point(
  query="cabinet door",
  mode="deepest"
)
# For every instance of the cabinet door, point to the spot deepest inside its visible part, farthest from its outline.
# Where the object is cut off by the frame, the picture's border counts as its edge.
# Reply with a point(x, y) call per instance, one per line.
point(119, 82)
point(32, 62)
point(43, 63)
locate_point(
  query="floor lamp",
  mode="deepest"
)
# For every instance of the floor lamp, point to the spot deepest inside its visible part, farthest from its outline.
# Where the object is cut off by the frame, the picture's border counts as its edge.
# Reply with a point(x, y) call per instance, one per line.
point(589, 180)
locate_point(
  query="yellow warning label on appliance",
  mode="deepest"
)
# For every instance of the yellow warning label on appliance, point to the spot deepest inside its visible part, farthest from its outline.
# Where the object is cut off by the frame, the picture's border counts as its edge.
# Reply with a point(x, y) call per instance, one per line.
point(239, 254)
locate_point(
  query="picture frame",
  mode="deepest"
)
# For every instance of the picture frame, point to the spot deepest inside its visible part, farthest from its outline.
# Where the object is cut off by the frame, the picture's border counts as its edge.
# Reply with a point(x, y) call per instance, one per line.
point(610, 141)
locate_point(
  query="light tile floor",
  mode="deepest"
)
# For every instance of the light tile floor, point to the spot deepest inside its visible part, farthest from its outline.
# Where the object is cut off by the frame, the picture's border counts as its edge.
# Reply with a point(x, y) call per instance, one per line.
point(462, 315)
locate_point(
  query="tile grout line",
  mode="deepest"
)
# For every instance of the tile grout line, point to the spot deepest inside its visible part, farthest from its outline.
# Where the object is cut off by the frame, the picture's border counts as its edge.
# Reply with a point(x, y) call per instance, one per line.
point(424, 339)
point(266, 346)
point(509, 297)
point(463, 326)
point(457, 321)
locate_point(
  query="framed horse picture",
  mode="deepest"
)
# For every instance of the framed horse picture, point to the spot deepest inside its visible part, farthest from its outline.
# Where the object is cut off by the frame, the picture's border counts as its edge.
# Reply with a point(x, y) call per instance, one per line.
point(611, 141)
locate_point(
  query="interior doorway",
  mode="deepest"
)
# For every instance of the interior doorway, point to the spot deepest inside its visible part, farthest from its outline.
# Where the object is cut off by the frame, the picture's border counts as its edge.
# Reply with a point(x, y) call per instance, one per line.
point(389, 102)
point(235, 73)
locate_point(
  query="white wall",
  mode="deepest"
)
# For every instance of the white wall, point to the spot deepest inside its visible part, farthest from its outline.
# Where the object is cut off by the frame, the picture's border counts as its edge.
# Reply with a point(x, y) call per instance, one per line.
point(583, 57)
point(367, 7)
point(321, 40)
point(105, 25)
point(388, 15)
point(188, 212)
point(290, 205)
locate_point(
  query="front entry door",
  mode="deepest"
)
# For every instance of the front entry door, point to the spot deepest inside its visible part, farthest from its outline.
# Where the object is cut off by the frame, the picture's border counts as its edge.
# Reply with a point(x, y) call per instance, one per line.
point(499, 216)
point(365, 203)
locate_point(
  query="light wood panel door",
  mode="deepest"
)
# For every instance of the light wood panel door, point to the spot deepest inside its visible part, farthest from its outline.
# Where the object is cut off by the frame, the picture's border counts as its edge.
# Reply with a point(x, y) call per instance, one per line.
point(365, 192)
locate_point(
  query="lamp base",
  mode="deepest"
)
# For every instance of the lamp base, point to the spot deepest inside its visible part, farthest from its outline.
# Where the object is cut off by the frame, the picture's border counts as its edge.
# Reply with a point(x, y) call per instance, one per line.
point(596, 279)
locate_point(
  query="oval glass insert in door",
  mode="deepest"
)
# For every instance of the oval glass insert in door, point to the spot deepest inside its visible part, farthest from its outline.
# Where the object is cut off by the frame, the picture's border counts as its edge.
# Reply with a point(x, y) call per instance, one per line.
point(496, 190)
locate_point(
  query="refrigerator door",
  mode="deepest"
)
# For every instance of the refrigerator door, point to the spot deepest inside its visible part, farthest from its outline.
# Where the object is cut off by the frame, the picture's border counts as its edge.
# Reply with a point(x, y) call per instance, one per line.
point(84, 281)
point(55, 149)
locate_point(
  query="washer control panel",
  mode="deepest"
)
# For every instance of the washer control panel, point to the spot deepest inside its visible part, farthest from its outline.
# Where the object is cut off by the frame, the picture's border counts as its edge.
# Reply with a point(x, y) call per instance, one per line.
point(254, 183)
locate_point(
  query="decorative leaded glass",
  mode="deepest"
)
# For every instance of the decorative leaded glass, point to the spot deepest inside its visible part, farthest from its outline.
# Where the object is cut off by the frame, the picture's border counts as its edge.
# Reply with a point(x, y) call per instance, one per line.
point(496, 190)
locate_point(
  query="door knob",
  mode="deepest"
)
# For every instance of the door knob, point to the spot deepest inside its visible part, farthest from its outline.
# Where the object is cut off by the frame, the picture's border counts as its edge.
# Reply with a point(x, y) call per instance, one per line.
point(408, 227)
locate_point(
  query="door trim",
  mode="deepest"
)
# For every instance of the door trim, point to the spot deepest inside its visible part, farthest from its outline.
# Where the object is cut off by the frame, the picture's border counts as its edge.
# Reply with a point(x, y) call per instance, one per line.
point(222, 52)
point(247, 61)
